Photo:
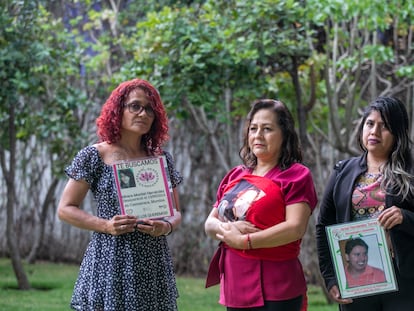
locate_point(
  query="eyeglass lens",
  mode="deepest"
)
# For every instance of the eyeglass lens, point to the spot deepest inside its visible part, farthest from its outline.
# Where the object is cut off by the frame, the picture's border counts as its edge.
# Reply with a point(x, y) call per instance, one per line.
point(137, 108)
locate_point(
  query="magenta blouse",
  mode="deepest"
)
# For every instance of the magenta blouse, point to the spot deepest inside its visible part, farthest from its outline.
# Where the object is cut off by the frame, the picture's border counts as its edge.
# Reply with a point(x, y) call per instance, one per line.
point(248, 278)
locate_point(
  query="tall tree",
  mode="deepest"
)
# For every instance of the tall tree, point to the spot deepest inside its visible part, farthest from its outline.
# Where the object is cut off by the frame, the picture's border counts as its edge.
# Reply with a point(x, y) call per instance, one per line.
point(39, 113)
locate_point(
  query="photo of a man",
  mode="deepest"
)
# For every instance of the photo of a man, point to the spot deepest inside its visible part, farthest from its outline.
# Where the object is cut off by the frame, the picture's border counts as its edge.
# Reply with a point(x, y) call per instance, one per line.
point(362, 258)
point(357, 270)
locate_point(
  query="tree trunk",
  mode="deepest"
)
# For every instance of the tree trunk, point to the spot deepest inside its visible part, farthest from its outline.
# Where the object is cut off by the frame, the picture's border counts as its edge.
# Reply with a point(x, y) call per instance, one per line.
point(40, 227)
point(300, 110)
point(12, 240)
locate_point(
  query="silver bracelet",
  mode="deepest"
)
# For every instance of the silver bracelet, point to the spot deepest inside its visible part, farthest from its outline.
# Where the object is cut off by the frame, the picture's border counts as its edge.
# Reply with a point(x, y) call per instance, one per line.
point(171, 227)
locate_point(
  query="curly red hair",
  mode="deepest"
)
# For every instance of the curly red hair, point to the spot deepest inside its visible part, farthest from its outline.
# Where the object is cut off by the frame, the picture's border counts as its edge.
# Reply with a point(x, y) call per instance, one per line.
point(110, 120)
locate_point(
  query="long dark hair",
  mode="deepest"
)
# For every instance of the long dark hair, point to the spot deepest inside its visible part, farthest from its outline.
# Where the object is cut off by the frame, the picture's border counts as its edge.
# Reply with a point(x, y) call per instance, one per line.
point(291, 151)
point(397, 170)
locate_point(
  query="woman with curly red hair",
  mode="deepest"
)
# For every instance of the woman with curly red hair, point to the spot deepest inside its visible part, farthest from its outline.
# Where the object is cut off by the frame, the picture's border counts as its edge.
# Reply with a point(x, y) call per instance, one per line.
point(128, 264)
point(109, 122)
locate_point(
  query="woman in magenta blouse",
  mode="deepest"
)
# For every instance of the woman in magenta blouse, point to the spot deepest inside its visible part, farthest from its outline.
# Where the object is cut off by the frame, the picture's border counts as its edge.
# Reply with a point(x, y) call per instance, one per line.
point(260, 216)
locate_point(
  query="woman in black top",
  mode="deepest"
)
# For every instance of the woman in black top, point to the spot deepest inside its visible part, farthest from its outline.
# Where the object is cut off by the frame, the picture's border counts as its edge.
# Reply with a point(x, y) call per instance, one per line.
point(377, 184)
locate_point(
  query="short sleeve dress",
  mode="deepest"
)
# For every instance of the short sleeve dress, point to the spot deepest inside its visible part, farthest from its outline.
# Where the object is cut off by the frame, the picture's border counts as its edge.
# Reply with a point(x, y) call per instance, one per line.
point(133, 271)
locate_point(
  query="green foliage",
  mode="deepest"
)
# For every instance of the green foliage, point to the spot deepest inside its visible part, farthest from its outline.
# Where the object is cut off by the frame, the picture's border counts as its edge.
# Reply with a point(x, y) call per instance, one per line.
point(195, 52)
point(406, 71)
point(200, 53)
point(38, 66)
point(380, 54)
point(195, 55)
point(357, 38)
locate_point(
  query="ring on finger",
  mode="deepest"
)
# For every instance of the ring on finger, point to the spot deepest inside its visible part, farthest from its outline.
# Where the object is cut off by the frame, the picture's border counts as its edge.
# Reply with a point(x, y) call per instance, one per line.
point(153, 229)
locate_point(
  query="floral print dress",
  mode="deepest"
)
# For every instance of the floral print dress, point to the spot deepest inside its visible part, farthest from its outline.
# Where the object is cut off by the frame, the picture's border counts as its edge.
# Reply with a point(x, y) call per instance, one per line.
point(132, 271)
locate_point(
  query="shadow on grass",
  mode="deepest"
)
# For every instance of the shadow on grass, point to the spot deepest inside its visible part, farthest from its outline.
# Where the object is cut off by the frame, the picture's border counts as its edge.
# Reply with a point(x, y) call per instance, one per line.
point(34, 287)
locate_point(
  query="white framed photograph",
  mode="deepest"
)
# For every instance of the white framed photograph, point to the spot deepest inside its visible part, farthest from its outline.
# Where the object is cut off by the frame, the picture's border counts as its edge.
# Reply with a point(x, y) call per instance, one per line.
point(361, 258)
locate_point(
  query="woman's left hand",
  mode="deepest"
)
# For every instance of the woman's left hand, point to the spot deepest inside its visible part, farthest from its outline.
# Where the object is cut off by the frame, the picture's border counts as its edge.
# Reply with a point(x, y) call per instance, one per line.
point(232, 236)
point(244, 226)
point(390, 217)
point(153, 227)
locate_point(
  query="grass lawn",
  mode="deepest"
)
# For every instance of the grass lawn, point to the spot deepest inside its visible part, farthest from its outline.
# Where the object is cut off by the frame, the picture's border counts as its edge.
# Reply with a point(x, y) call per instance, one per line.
point(53, 285)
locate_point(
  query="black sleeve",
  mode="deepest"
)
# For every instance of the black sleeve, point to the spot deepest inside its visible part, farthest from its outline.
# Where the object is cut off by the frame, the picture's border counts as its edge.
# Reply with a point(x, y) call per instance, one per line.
point(327, 216)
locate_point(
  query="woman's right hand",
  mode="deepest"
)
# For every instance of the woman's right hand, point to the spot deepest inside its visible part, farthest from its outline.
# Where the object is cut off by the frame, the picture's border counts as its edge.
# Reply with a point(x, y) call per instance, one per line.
point(336, 296)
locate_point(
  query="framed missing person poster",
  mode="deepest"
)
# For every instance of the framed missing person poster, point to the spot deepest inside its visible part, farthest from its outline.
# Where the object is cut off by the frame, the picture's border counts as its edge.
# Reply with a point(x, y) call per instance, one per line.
point(361, 258)
point(144, 187)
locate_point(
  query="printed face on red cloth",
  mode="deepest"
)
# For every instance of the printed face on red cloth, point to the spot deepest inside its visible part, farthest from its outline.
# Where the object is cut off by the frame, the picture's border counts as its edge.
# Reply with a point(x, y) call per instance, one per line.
point(238, 200)
point(255, 199)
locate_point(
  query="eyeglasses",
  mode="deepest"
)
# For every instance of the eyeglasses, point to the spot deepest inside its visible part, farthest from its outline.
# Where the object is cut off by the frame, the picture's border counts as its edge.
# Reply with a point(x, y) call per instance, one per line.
point(137, 109)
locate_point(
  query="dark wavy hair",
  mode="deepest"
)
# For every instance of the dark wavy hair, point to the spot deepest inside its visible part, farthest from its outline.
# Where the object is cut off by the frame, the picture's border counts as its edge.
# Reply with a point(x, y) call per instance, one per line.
point(350, 244)
point(290, 149)
point(110, 120)
point(397, 171)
